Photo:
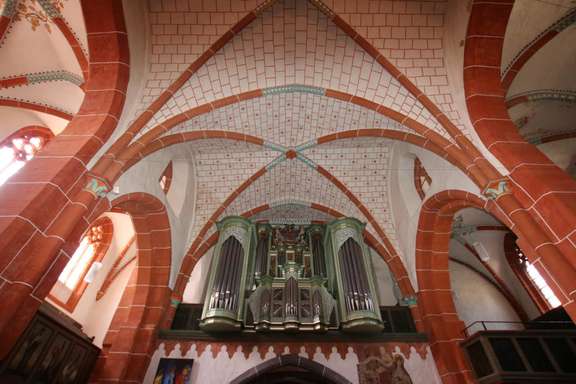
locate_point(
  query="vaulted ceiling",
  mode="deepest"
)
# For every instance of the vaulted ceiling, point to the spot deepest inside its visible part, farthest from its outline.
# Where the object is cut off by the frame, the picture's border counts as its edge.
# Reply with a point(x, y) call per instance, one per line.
point(538, 59)
point(44, 63)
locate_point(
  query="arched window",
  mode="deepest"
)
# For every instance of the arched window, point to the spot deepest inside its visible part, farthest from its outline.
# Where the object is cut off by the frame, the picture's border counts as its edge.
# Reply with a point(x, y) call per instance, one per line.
point(166, 178)
point(83, 264)
point(19, 148)
point(422, 180)
point(529, 276)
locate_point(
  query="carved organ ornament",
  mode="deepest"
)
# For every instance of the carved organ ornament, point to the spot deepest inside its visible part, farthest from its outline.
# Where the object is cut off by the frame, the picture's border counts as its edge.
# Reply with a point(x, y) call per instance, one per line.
point(270, 277)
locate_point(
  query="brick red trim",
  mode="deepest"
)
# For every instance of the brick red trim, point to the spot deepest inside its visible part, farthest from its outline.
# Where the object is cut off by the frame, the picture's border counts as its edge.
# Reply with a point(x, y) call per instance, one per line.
point(5, 22)
point(444, 121)
point(74, 44)
point(543, 199)
point(45, 209)
point(15, 81)
point(131, 338)
point(167, 173)
point(419, 173)
point(16, 103)
point(115, 270)
point(439, 316)
point(530, 49)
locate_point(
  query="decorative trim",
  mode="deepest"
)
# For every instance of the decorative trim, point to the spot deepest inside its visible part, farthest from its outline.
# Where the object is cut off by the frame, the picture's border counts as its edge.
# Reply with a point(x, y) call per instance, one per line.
point(518, 61)
point(275, 162)
point(293, 88)
point(42, 77)
point(97, 186)
point(563, 95)
point(34, 106)
point(274, 147)
point(409, 300)
point(496, 189)
point(9, 8)
point(305, 146)
point(306, 161)
point(240, 233)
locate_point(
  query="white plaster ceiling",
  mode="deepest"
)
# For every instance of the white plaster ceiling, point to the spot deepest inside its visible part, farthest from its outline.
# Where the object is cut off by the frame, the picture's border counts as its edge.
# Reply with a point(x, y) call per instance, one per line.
point(293, 43)
point(547, 79)
point(292, 180)
point(292, 212)
point(289, 119)
point(544, 118)
point(552, 67)
point(528, 19)
point(34, 47)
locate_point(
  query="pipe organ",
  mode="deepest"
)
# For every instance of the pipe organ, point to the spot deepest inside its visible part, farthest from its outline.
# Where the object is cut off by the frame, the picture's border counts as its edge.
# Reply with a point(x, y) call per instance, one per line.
point(286, 277)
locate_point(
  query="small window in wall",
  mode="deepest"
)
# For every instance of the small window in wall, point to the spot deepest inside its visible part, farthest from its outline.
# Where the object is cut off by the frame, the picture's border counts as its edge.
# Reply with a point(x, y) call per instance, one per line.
point(166, 178)
point(422, 180)
point(19, 148)
point(529, 276)
point(83, 264)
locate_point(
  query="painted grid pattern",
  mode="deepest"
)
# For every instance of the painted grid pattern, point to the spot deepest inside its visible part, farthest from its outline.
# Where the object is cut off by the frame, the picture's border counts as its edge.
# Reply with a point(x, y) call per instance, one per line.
point(362, 164)
point(289, 119)
point(410, 35)
point(181, 31)
point(292, 213)
point(293, 43)
point(292, 180)
point(220, 169)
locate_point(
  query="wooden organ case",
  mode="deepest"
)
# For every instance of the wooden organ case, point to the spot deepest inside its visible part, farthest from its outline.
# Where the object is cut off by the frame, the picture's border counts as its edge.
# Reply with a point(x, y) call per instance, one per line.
point(291, 277)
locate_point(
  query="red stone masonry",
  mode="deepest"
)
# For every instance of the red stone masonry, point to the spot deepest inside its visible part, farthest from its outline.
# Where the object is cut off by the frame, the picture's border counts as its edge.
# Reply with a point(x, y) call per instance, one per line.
point(44, 210)
point(543, 199)
point(131, 338)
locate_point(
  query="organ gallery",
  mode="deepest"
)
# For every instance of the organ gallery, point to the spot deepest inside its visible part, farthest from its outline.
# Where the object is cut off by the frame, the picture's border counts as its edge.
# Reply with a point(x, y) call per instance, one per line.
point(274, 277)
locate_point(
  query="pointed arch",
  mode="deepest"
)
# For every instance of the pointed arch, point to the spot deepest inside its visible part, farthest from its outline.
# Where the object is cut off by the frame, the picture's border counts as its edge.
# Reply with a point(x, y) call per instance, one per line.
point(131, 338)
point(292, 360)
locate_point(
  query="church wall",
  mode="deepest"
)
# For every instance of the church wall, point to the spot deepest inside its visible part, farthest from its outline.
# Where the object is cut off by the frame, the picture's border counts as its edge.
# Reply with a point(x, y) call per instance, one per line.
point(88, 306)
point(221, 362)
point(493, 242)
point(476, 299)
point(405, 201)
point(144, 176)
point(384, 282)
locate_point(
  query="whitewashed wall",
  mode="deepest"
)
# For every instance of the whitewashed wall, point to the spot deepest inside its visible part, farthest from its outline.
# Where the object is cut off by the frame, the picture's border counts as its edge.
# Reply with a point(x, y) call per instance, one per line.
point(476, 299)
point(221, 369)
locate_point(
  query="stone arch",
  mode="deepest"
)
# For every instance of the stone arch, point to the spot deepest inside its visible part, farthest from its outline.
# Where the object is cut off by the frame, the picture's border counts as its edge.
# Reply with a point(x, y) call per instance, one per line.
point(291, 361)
point(439, 317)
point(131, 337)
point(44, 206)
point(540, 187)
